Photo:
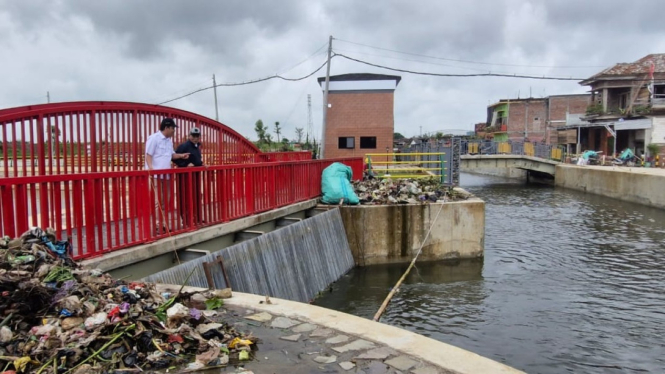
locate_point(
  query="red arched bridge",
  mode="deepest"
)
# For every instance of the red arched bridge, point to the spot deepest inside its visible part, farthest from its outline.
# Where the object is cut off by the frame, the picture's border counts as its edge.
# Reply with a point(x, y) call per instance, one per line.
point(78, 167)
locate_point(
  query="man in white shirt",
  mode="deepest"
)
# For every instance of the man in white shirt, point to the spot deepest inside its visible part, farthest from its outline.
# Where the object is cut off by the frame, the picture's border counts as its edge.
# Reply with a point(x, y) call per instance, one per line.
point(158, 156)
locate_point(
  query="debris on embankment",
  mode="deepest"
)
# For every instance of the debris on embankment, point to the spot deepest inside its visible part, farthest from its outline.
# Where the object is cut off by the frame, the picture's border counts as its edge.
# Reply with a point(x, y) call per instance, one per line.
point(405, 191)
point(58, 317)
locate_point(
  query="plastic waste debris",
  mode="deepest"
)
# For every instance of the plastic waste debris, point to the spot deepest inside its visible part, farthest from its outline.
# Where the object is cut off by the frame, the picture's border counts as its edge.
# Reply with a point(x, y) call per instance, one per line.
point(60, 314)
point(405, 191)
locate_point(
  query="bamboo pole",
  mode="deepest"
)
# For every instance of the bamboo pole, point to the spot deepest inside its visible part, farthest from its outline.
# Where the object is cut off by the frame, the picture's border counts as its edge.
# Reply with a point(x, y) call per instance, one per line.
point(383, 307)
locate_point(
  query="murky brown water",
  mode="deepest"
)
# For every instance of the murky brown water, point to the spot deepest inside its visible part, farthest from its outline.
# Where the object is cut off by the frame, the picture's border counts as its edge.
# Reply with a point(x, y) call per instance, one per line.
point(570, 282)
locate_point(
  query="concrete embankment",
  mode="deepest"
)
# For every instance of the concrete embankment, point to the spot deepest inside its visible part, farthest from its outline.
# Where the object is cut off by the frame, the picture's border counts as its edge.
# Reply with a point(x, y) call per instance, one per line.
point(511, 173)
point(358, 337)
point(638, 185)
point(380, 234)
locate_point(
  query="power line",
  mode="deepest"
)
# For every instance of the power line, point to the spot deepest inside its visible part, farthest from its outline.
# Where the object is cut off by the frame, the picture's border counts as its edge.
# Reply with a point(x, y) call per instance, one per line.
point(317, 52)
point(419, 61)
point(295, 105)
point(246, 83)
point(459, 75)
point(469, 61)
point(181, 91)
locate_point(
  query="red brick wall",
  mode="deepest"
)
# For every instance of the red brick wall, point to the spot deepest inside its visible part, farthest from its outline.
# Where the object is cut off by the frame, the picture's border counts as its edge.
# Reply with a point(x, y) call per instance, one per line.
point(356, 114)
point(536, 117)
point(559, 105)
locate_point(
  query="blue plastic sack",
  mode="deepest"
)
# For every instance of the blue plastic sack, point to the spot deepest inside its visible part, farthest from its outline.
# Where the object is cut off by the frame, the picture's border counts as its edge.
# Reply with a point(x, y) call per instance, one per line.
point(336, 185)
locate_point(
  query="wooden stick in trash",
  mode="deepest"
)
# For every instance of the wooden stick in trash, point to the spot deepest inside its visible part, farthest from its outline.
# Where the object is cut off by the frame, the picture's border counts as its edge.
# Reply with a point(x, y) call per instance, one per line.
point(413, 262)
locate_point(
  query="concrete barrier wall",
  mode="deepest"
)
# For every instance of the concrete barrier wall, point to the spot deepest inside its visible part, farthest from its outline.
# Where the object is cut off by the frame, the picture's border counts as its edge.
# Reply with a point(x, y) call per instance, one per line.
point(295, 262)
point(394, 233)
point(638, 185)
point(504, 173)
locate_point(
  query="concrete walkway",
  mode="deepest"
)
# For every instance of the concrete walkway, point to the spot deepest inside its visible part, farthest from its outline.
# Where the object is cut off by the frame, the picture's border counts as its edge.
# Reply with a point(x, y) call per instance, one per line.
point(302, 338)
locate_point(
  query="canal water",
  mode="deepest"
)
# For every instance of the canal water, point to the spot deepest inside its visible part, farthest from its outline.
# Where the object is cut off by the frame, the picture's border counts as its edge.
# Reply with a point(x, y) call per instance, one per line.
point(570, 282)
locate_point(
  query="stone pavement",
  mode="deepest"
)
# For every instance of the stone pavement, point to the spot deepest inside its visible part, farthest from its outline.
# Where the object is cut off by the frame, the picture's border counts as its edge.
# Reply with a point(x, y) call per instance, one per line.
point(291, 346)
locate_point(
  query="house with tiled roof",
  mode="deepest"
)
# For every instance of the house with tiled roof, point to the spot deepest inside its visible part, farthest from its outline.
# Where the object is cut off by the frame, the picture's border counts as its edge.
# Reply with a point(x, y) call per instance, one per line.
point(627, 108)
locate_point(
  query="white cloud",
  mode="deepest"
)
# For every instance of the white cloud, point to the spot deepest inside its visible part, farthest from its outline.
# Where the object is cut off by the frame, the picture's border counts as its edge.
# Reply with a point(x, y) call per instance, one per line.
point(151, 51)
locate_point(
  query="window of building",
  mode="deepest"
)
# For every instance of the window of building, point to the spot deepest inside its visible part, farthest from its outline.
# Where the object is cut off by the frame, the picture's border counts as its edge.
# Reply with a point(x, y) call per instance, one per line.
point(368, 142)
point(659, 90)
point(346, 142)
point(623, 100)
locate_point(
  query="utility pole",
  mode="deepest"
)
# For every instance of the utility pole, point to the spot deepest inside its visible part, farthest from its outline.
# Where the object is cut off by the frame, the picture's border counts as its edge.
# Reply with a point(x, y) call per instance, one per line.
point(526, 121)
point(421, 131)
point(214, 84)
point(309, 116)
point(48, 97)
point(325, 100)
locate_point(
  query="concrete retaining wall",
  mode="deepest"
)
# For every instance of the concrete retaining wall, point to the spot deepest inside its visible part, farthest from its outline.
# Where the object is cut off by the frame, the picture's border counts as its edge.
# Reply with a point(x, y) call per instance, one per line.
point(142, 260)
point(504, 173)
point(638, 185)
point(394, 233)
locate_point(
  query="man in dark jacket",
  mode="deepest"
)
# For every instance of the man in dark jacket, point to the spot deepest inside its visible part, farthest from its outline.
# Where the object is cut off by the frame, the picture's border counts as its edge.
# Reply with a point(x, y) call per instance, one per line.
point(193, 208)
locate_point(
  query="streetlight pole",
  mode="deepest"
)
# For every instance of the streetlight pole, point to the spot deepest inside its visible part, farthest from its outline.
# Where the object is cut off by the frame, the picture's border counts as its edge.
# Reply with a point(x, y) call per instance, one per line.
point(325, 100)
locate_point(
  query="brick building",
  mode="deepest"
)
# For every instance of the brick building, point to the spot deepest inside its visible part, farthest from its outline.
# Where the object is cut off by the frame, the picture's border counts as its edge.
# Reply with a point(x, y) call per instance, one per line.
point(360, 116)
point(627, 107)
point(534, 119)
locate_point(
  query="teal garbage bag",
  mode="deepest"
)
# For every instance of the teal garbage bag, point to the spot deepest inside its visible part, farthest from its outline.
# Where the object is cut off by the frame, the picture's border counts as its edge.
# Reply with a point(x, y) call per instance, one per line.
point(336, 185)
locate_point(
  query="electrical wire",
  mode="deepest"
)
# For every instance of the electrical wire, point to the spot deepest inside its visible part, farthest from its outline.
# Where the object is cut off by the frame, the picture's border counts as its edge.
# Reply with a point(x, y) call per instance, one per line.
point(459, 75)
point(419, 61)
point(470, 61)
point(181, 91)
point(246, 83)
point(317, 52)
point(295, 105)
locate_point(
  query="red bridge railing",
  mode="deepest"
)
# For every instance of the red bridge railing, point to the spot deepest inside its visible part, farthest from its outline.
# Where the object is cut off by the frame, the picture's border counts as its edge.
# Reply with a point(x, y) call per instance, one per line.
point(105, 211)
point(90, 137)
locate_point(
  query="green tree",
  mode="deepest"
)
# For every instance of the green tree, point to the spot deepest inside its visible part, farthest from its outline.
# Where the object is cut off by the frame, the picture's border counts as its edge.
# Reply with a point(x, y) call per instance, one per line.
point(398, 136)
point(299, 132)
point(315, 149)
point(268, 138)
point(261, 131)
point(278, 131)
point(439, 135)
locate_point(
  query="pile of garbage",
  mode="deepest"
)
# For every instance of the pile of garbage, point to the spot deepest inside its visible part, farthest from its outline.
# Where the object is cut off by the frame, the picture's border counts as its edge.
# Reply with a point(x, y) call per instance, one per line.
point(404, 191)
point(57, 317)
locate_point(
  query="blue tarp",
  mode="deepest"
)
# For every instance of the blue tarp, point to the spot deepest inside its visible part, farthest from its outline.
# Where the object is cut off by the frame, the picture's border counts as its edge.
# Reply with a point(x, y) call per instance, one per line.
point(336, 185)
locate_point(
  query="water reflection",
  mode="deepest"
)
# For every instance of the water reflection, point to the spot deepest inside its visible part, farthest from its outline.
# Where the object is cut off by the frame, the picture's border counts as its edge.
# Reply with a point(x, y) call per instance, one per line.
point(570, 282)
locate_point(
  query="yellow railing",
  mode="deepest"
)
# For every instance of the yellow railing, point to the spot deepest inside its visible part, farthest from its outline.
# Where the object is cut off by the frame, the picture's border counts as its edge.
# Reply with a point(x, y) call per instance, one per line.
point(557, 154)
point(474, 148)
point(406, 165)
point(529, 149)
point(503, 147)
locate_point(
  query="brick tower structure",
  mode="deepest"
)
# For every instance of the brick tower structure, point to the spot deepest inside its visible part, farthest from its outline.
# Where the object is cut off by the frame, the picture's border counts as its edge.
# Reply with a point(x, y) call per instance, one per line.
point(360, 116)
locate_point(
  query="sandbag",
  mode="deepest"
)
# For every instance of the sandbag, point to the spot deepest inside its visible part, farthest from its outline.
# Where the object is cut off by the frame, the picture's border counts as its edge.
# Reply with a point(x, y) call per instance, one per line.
point(336, 185)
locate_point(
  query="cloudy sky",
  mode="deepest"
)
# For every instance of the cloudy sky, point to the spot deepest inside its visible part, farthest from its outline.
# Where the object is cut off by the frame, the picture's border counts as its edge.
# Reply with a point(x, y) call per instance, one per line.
point(153, 51)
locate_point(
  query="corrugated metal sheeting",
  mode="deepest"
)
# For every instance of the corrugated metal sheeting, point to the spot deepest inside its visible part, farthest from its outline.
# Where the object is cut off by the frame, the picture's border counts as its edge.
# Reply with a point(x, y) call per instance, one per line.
point(293, 263)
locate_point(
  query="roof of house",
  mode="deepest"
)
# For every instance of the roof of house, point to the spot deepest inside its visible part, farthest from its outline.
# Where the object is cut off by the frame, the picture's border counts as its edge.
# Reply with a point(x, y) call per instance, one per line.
point(514, 101)
point(361, 77)
point(638, 67)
